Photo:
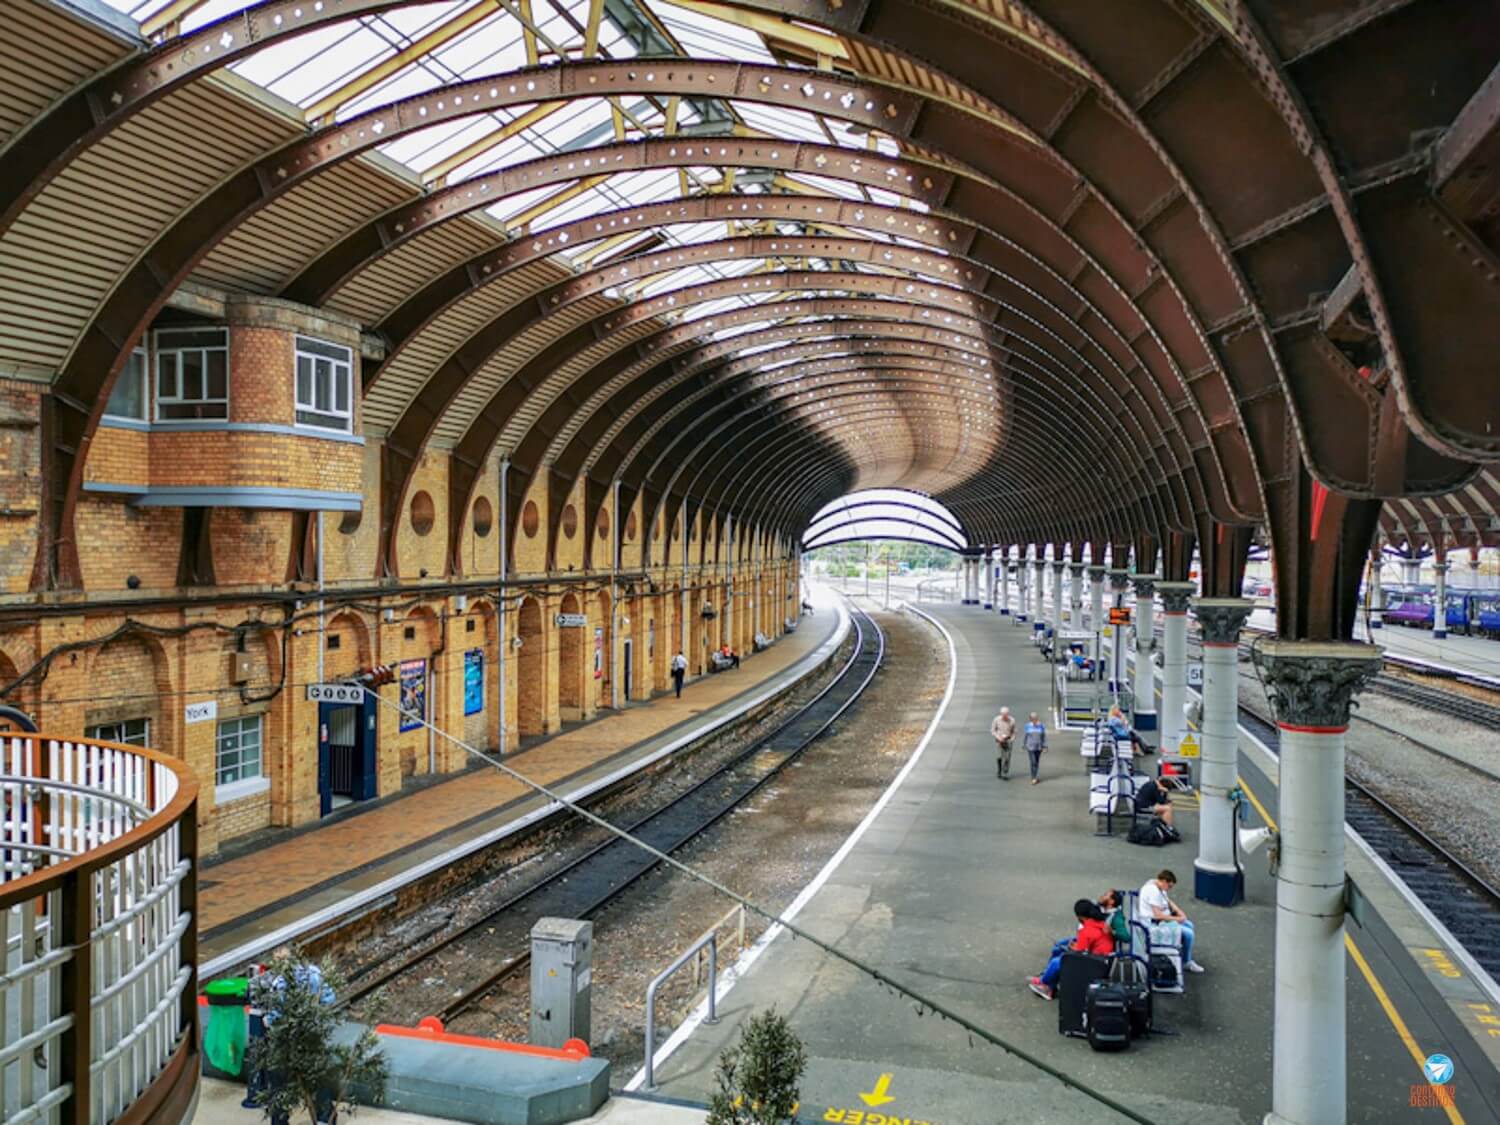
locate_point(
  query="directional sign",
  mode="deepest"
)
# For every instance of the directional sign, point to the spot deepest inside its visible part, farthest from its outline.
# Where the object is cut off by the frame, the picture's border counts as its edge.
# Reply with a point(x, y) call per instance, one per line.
point(335, 693)
point(878, 1096)
point(571, 620)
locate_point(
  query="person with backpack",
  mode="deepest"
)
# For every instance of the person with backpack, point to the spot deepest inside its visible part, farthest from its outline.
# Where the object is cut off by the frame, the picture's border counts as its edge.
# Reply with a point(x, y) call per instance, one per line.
point(1003, 731)
point(679, 671)
point(1165, 919)
point(1112, 903)
point(1093, 936)
point(1034, 742)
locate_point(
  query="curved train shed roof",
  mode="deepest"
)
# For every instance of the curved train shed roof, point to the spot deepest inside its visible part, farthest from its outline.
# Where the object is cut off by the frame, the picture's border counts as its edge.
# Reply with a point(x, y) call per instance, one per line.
point(1084, 273)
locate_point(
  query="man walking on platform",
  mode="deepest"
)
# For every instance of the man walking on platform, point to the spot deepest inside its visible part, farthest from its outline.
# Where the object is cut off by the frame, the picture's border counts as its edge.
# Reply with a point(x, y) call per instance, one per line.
point(1003, 730)
point(679, 670)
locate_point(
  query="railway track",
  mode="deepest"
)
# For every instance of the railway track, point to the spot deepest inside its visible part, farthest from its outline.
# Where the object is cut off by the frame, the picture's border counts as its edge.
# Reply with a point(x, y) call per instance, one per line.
point(1461, 899)
point(1450, 703)
point(587, 883)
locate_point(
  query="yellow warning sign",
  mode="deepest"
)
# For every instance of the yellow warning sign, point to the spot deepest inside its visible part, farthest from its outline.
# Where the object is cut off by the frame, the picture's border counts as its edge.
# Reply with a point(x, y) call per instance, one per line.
point(1188, 747)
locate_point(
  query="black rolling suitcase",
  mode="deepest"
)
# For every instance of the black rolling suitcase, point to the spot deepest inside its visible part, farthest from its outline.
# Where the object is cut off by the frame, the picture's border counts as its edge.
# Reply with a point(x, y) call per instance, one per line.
point(1133, 975)
point(1078, 971)
point(1106, 1016)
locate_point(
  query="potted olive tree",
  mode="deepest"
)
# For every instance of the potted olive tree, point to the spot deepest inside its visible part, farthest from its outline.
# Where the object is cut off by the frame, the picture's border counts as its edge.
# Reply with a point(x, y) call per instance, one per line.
point(306, 1072)
point(757, 1077)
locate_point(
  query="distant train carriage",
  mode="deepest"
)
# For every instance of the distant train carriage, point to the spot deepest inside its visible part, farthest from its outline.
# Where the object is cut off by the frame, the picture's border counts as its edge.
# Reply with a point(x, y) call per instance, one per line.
point(1409, 605)
point(1484, 612)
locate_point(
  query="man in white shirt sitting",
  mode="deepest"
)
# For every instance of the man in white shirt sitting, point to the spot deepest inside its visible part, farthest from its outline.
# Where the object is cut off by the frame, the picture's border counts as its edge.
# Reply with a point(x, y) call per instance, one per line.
point(1158, 912)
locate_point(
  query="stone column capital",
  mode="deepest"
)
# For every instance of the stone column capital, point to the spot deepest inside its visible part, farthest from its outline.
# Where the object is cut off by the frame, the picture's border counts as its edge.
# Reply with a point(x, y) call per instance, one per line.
point(1077, 569)
point(1058, 566)
point(1145, 584)
point(1442, 567)
point(1313, 683)
point(1096, 573)
point(1175, 595)
point(1119, 580)
point(1221, 619)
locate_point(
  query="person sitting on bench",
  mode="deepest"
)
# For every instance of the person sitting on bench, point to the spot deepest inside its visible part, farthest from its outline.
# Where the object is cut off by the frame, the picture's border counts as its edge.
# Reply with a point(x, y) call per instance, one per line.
point(1164, 918)
point(1151, 799)
point(1121, 729)
point(731, 656)
point(1112, 902)
point(1093, 936)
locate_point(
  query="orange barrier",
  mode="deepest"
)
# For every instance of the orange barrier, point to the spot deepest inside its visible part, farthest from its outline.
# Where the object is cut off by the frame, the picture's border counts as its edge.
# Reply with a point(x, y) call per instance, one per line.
point(431, 1030)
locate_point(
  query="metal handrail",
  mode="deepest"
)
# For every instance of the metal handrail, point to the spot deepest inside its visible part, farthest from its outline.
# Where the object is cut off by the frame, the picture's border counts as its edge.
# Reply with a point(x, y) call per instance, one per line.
point(710, 939)
point(98, 921)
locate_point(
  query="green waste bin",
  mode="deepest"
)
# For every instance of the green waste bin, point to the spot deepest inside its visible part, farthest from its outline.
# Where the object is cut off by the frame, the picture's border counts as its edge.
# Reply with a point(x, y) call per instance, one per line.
point(224, 1038)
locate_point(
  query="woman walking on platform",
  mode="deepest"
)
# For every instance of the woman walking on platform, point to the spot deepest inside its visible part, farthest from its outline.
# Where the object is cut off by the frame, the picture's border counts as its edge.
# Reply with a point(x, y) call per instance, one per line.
point(1034, 739)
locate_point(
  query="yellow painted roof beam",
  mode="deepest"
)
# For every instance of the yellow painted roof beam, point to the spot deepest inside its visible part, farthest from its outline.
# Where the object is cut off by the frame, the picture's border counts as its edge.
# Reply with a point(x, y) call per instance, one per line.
point(484, 144)
point(445, 32)
point(556, 199)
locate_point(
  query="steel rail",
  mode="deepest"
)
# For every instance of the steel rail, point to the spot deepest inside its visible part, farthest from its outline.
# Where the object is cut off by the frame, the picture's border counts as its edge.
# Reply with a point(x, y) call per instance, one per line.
point(867, 633)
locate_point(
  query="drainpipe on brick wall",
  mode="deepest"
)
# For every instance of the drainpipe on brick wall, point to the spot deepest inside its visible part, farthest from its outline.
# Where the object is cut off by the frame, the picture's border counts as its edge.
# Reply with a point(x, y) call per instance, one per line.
point(501, 643)
point(322, 620)
point(614, 603)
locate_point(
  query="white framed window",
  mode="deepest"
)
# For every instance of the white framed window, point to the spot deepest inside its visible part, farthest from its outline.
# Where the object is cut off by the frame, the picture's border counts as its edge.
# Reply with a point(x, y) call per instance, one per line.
point(192, 374)
point(237, 750)
point(129, 398)
point(131, 732)
point(325, 375)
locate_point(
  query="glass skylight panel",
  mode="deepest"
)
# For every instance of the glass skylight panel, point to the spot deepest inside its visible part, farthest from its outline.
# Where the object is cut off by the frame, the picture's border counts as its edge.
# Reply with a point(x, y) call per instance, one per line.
point(705, 37)
point(422, 149)
point(777, 121)
point(213, 10)
point(414, 20)
point(301, 67)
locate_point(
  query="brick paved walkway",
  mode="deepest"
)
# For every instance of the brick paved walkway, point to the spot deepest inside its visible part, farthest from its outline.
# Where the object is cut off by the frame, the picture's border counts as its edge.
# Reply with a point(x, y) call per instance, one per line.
point(246, 898)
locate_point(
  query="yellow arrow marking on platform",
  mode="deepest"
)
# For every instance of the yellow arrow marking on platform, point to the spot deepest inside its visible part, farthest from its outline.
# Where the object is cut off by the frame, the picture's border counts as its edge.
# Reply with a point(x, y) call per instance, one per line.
point(878, 1096)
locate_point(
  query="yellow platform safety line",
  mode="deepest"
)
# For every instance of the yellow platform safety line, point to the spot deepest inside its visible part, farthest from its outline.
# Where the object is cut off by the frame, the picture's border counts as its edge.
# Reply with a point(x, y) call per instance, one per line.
point(1402, 1031)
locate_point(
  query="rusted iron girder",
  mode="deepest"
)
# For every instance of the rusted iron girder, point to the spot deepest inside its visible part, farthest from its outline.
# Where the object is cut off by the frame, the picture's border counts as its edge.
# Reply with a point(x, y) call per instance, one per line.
point(305, 157)
point(769, 419)
point(476, 442)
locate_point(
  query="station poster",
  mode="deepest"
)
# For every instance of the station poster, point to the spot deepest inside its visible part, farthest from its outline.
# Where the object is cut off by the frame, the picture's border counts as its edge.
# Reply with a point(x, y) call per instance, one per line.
point(413, 693)
point(598, 652)
point(473, 681)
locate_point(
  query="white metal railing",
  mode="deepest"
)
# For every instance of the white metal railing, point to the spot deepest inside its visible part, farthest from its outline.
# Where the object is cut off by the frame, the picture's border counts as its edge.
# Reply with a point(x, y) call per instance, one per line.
point(98, 1005)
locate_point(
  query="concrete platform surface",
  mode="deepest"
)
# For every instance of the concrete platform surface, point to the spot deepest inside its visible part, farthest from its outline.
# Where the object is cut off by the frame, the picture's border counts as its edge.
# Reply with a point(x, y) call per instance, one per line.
point(254, 900)
point(958, 889)
point(219, 1104)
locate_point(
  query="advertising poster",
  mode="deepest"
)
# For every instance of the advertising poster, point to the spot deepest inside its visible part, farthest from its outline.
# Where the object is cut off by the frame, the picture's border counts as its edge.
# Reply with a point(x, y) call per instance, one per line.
point(473, 681)
point(413, 693)
point(598, 652)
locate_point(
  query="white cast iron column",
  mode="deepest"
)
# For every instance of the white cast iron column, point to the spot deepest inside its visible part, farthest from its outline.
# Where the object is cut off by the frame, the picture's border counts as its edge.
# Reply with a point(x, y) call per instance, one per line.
point(1376, 595)
point(1174, 603)
point(1440, 601)
point(1145, 645)
point(1039, 613)
point(989, 578)
point(1057, 592)
point(1075, 595)
point(1005, 581)
point(1096, 610)
point(1311, 686)
point(1215, 876)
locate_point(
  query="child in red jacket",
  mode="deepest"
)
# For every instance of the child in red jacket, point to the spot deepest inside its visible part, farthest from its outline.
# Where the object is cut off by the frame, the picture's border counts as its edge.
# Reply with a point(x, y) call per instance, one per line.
point(1093, 936)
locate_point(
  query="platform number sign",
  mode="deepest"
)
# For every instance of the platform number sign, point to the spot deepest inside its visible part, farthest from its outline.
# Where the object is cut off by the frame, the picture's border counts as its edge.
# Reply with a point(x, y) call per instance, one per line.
point(1195, 675)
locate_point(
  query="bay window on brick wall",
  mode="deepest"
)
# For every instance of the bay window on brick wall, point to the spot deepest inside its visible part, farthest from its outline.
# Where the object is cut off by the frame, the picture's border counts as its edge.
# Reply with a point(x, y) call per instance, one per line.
point(324, 385)
point(192, 374)
point(129, 397)
point(237, 752)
